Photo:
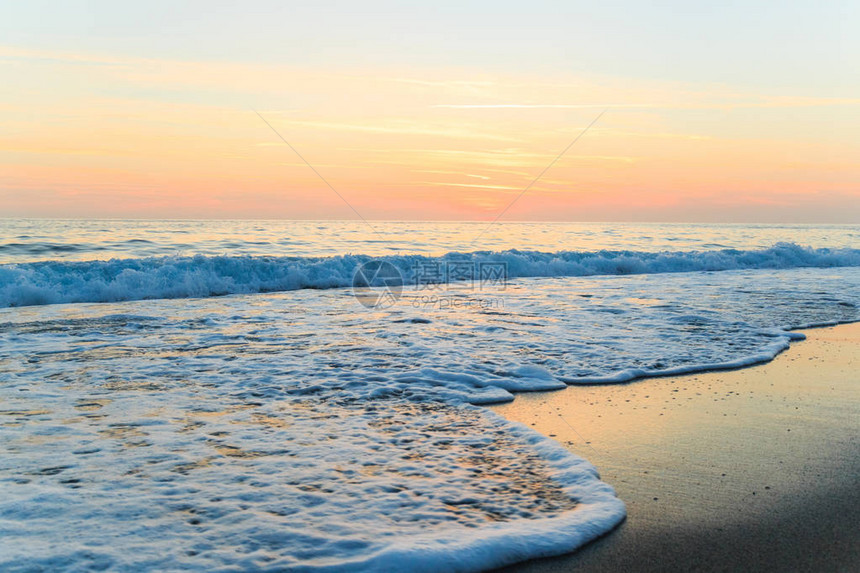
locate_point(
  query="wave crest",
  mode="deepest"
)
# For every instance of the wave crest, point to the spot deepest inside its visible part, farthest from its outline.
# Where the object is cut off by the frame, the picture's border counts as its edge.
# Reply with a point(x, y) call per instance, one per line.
point(52, 282)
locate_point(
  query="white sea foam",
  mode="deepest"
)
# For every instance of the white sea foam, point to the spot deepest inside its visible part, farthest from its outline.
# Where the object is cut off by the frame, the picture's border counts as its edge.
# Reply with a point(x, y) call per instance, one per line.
point(51, 282)
point(301, 431)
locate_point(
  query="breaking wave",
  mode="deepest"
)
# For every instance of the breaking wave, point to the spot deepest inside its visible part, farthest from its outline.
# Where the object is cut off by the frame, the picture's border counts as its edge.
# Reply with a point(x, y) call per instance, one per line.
point(52, 282)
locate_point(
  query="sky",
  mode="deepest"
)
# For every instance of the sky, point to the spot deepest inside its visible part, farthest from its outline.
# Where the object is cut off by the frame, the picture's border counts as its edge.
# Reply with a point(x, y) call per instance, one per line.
point(713, 112)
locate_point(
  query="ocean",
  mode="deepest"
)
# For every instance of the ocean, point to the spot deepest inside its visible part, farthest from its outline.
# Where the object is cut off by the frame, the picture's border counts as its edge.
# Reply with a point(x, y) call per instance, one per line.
point(307, 395)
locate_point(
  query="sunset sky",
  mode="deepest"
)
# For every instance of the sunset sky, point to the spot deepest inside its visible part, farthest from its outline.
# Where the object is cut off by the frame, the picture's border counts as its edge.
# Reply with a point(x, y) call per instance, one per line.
point(746, 113)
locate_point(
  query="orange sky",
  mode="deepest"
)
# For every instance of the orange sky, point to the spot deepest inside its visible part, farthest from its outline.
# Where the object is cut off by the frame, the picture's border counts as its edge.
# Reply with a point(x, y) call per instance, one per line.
point(92, 135)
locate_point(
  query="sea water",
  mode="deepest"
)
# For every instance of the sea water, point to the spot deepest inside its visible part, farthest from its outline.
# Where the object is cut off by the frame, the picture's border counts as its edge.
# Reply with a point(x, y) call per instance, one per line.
point(223, 395)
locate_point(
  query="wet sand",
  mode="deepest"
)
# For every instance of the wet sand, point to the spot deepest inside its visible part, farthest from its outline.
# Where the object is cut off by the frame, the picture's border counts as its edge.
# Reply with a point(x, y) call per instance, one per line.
point(746, 470)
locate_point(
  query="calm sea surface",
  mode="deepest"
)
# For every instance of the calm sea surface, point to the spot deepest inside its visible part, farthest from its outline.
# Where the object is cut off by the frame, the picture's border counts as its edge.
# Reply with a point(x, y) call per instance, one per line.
point(24, 240)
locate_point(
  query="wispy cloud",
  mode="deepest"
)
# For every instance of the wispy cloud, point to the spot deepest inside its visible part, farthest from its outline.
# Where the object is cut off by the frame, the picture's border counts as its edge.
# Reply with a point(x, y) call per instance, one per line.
point(443, 83)
point(541, 105)
point(717, 103)
point(441, 184)
point(326, 165)
point(406, 128)
point(438, 172)
point(15, 53)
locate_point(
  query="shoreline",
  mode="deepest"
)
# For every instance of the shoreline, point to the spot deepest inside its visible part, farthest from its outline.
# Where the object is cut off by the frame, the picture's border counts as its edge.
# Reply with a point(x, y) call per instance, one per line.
point(753, 468)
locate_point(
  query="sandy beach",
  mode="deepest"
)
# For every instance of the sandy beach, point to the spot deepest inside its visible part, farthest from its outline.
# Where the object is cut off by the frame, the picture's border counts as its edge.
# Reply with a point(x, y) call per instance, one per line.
point(754, 469)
